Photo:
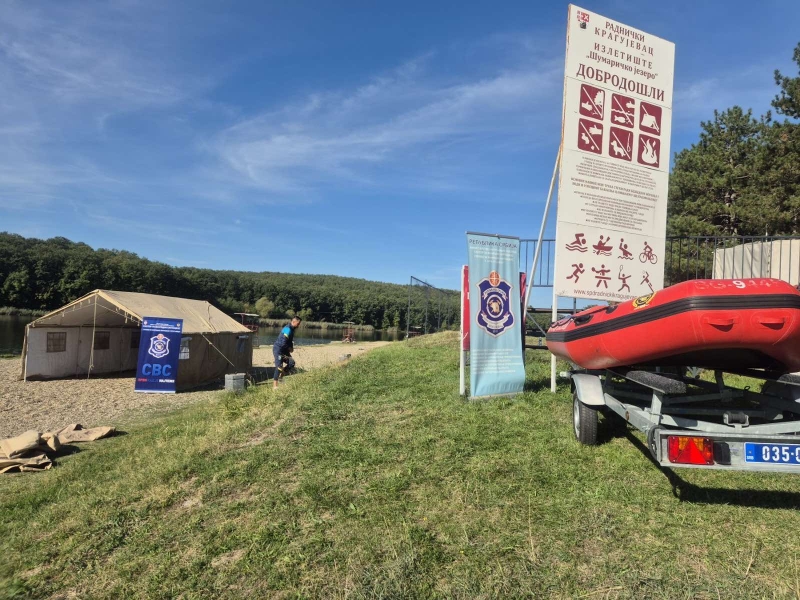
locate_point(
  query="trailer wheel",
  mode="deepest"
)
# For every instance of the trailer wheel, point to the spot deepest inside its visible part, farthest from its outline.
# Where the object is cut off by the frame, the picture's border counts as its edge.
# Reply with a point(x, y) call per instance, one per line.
point(584, 421)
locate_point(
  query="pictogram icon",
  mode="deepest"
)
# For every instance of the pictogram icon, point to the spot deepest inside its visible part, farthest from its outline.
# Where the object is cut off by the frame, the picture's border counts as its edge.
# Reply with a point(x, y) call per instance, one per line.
point(650, 118)
point(620, 144)
point(649, 151)
point(590, 136)
point(623, 110)
point(592, 101)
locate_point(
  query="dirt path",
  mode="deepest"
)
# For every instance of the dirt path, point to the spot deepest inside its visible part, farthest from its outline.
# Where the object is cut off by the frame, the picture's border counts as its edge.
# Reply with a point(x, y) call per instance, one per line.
point(46, 405)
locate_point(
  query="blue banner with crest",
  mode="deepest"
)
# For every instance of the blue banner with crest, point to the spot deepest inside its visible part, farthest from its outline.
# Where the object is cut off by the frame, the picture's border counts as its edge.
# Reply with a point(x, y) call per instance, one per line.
point(159, 351)
point(496, 361)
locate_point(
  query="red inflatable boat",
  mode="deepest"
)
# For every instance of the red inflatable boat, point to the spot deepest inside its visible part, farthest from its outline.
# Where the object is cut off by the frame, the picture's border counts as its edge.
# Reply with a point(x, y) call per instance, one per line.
point(711, 323)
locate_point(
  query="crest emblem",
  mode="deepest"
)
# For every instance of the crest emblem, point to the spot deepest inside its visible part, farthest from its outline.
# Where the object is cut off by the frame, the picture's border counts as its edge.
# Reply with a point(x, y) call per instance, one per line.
point(495, 316)
point(159, 346)
point(643, 301)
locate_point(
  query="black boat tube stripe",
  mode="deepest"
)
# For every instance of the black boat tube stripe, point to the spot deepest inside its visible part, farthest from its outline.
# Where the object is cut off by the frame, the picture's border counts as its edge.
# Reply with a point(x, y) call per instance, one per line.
point(647, 314)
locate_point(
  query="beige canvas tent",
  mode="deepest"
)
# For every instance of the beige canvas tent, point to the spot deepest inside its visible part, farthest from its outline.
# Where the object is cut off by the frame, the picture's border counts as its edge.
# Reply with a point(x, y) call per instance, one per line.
point(100, 334)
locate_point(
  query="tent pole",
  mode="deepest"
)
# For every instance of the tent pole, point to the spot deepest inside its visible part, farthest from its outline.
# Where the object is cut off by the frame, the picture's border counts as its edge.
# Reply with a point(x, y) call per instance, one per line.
point(91, 352)
point(218, 350)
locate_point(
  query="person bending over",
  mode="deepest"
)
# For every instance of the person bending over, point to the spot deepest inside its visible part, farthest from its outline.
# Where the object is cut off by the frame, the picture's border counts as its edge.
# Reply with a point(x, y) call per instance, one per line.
point(282, 349)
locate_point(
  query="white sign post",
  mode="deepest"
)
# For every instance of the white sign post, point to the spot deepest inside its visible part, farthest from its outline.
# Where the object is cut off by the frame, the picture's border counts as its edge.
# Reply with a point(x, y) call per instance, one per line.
point(612, 193)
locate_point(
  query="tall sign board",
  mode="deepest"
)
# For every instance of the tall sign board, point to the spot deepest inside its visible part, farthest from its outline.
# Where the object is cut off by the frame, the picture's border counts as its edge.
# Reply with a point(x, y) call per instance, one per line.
point(612, 193)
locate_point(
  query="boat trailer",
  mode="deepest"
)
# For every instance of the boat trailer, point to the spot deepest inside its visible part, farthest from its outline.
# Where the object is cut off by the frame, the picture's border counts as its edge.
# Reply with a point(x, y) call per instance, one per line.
point(691, 422)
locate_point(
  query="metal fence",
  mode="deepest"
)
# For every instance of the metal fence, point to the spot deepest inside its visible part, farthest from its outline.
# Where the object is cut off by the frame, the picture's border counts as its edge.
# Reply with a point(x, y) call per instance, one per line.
point(732, 257)
point(546, 265)
point(430, 309)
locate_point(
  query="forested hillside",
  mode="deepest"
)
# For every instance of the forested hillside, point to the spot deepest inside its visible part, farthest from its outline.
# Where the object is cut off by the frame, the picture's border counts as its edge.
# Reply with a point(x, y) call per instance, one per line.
point(45, 274)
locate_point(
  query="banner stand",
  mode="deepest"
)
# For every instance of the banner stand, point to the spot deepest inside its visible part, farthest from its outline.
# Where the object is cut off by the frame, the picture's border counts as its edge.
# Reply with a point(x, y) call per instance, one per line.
point(497, 366)
point(462, 353)
point(554, 318)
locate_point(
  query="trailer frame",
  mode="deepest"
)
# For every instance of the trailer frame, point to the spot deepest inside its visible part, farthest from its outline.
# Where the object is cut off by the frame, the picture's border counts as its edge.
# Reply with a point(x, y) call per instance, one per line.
point(665, 403)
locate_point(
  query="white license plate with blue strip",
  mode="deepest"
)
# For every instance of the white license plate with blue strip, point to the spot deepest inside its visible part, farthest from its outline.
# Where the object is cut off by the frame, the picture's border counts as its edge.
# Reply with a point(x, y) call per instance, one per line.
point(779, 454)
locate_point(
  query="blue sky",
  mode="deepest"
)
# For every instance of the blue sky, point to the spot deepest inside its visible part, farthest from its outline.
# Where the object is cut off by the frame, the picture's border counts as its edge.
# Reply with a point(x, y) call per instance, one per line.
point(352, 138)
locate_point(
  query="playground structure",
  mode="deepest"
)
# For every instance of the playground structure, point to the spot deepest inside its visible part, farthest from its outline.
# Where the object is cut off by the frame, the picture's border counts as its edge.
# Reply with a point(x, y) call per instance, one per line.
point(430, 309)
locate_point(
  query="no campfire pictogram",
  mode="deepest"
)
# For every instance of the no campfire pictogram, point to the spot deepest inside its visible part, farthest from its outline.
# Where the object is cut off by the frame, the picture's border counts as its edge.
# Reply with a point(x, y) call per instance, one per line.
point(649, 151)
point(650, 118)
point(620, 144)
point(592, 100)
point(623, 110)
point(590, 136)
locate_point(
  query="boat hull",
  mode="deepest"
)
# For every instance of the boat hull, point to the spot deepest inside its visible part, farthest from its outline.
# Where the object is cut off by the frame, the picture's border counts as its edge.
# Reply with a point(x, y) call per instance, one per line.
point(714, 324)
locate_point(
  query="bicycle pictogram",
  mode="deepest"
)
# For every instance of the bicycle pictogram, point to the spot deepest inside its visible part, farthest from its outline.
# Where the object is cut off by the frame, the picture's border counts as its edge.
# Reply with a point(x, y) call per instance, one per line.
point(648, 255)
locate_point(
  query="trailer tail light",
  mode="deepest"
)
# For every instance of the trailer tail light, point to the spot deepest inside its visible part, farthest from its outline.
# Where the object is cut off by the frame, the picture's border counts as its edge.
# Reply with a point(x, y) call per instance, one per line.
point(690, 450)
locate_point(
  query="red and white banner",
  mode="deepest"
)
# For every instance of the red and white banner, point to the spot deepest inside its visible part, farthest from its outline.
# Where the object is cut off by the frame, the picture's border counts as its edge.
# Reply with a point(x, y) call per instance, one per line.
point(465, 308)
point(612, 193)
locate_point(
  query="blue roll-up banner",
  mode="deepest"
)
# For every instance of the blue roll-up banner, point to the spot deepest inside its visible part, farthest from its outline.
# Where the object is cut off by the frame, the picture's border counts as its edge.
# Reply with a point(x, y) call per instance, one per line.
point(159, 350)
point(496, 362)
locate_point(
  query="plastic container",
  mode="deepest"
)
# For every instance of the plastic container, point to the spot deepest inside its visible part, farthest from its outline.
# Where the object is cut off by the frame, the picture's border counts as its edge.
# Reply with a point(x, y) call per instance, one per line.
point(234, 382)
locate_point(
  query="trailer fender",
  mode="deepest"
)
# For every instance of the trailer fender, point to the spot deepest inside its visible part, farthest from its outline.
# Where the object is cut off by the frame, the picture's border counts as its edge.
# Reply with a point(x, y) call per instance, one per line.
point(589, 389)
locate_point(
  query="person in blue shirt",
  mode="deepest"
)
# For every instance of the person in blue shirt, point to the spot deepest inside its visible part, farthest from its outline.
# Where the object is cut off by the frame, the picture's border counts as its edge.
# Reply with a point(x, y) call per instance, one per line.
point(282, 349)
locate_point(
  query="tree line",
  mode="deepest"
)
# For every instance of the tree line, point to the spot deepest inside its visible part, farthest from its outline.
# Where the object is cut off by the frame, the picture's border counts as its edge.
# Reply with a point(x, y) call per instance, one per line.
point(742, 177)
point(46, 274)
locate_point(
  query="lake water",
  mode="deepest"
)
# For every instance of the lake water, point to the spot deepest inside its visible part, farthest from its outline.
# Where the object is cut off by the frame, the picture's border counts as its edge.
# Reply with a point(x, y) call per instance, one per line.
point(305, 337)
point(12, 332)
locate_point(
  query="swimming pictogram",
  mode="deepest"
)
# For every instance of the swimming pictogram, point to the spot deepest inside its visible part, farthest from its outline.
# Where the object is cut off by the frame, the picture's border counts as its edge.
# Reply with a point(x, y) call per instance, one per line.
point(624, 279)
point(590, 136)
point(592, 101)
point(602, 276)
point(648, 255)
point(623, 247)
point(603, 247)
point(646, 280)
point(577, 245)
point(579, 270)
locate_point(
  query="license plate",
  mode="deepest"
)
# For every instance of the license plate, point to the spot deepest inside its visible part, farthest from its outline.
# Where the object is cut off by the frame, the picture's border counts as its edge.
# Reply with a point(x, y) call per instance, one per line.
point(780, 454)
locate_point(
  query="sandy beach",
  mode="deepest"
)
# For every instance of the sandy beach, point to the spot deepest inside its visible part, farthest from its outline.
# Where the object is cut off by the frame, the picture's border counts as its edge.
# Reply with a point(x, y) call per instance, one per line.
point(47, 405)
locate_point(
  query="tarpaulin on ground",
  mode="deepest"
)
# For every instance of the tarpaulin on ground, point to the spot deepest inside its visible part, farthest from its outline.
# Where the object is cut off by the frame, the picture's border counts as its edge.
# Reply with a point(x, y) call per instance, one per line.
point(33, 451)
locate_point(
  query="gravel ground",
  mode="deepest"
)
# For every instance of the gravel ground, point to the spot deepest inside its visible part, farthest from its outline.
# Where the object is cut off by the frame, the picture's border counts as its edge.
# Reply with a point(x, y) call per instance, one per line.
point(48, 405)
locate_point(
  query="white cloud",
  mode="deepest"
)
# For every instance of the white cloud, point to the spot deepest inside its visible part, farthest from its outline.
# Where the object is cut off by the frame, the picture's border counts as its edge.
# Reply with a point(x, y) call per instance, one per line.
point(750, 87)
point(64, 71)
point(333, 137)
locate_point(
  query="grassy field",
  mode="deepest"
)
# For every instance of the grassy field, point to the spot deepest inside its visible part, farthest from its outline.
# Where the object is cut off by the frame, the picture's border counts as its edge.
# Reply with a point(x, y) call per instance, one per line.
point(375, 480)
